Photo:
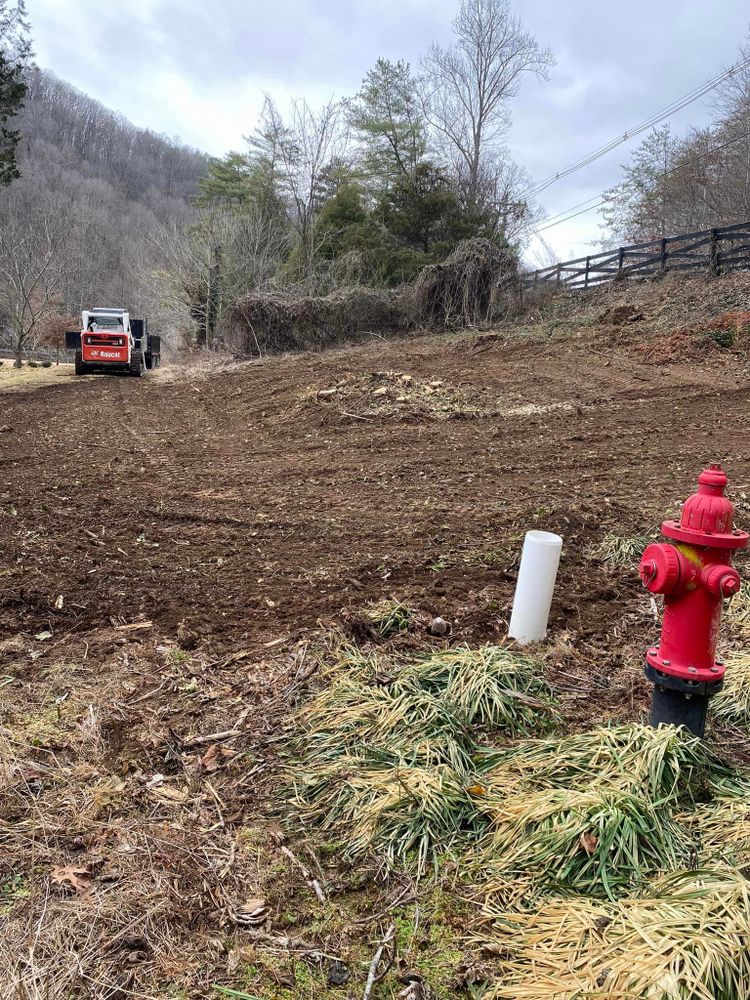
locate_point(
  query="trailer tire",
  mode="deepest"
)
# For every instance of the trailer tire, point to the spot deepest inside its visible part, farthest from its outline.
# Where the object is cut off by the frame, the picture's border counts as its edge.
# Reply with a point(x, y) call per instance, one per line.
point(149, 359)
point(136, 364)
point(80, 367)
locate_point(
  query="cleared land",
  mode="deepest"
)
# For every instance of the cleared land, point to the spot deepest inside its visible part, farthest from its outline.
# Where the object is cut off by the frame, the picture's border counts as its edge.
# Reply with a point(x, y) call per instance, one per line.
point(170, 550)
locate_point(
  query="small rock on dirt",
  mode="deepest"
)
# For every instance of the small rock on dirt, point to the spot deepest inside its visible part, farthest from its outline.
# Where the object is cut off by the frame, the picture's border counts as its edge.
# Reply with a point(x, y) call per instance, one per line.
point(338, 974)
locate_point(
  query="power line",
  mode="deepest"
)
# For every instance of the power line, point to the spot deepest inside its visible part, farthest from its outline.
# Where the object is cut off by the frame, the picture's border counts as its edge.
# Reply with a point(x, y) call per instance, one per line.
point(642, 126)
point(572, 208)
point(550, 224)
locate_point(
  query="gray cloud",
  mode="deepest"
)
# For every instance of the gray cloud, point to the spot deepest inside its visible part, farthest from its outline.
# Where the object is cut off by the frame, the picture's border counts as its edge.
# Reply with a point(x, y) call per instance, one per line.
point(198, 70)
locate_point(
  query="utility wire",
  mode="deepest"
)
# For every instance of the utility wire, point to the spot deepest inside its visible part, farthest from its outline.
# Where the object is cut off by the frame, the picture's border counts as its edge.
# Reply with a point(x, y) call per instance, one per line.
point(572, 208)
point(642, 126)
point(550, 224)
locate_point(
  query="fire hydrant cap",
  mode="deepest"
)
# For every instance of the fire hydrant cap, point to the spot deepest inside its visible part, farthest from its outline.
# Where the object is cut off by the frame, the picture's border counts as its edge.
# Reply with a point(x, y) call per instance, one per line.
point(708, 516)
point(714, 476)
point(660, 568)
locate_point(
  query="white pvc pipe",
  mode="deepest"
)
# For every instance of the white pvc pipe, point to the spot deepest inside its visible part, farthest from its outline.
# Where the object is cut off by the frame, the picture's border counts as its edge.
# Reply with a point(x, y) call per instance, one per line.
point(536, 585)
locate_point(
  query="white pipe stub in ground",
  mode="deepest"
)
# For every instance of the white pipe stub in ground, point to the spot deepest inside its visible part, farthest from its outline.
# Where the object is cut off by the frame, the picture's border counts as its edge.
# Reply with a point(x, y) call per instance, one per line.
point(536, 585)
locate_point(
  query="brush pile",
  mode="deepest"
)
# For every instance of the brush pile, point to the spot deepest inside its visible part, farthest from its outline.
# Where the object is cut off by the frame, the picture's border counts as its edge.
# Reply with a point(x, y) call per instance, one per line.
point(474, 286)
point(262, 323)
point(396, 394)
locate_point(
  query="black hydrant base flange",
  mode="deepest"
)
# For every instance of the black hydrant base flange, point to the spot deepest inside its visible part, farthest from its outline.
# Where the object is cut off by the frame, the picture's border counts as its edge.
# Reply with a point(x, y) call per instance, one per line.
point(680, 703)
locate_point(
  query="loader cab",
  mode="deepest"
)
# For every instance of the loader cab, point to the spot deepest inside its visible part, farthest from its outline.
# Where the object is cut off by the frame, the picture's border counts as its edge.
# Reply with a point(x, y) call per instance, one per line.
point(106, 337)
point(111, 342)
point(107, 321)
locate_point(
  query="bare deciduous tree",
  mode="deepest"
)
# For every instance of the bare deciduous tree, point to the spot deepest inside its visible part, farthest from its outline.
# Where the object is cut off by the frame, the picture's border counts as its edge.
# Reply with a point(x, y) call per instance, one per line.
point(303, 148)
point(471, 83)
point(34, 257)
point(220, 256)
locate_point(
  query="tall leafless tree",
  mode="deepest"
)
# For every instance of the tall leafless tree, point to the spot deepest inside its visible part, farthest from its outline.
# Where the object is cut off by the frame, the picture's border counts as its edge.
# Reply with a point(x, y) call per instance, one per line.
point(303, 147)
point(34, 257)
point(470, 85)
point(206, 266)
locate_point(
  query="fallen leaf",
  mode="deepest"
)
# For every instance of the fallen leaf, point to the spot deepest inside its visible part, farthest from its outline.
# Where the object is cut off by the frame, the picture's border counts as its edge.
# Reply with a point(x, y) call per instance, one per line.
point(43, 636)
point(59, 603)
point(76, 878)
point(215, 756)
point(252, 912)
point(589, 842)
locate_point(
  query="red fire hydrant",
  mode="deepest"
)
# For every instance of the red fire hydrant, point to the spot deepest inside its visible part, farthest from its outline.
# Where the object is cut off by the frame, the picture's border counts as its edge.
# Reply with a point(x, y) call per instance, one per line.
point(694, 575)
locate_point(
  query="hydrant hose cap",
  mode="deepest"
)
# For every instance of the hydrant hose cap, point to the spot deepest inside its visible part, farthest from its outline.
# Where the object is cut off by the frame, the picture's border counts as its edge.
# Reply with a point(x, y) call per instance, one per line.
point(660, 568)
point(721, 581)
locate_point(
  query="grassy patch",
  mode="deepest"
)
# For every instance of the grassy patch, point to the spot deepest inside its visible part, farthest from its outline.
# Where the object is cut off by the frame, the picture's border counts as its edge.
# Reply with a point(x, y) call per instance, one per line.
point(621, 550)
point(685, 937)
point(389, 749)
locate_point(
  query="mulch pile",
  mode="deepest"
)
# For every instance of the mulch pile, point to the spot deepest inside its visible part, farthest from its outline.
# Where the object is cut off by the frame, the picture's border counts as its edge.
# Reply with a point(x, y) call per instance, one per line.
point(397, 394)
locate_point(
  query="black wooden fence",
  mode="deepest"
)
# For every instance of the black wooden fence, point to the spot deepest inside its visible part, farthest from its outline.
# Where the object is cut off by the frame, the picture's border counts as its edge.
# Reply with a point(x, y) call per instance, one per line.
point(715, 251)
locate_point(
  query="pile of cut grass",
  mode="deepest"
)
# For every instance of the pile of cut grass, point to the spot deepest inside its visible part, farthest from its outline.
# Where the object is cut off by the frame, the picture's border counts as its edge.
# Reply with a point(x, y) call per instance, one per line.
point(685, 937)
point(595, 812)
point(583, 849)
point(738, 613)
point(387, 618)
point(390, 748)
point(720, 831)
point(384, 807)
point(732, 704)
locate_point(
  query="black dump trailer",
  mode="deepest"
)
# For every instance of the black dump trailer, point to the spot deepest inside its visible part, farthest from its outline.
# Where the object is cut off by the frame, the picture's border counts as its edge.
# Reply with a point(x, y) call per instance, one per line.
point(148, 343)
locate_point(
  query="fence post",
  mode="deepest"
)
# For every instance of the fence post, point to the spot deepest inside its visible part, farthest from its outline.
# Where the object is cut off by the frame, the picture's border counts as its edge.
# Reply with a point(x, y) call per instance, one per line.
point(664, 256)
point(559, 275)
point(620, 258)
point(713, 258)
point(586, 278)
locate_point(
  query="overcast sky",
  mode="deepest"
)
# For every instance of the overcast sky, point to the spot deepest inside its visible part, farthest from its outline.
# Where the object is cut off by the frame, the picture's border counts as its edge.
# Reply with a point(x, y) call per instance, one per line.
point(197, 70)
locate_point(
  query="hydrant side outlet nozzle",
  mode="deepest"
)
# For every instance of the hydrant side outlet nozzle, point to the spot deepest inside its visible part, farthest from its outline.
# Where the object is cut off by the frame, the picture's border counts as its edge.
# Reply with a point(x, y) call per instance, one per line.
point(695, 575)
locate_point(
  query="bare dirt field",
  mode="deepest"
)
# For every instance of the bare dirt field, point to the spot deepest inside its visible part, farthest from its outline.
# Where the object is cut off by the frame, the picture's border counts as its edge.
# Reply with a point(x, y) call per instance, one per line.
point(168, 547)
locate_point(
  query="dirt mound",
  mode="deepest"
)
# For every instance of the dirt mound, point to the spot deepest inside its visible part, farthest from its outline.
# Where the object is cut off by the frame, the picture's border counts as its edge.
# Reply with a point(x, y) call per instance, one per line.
point(692, 343)
point(396, 394)
point(620, 315)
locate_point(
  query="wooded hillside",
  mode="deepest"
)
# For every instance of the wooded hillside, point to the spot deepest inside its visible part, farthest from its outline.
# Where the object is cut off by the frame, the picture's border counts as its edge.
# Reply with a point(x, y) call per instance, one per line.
point(86, 215)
